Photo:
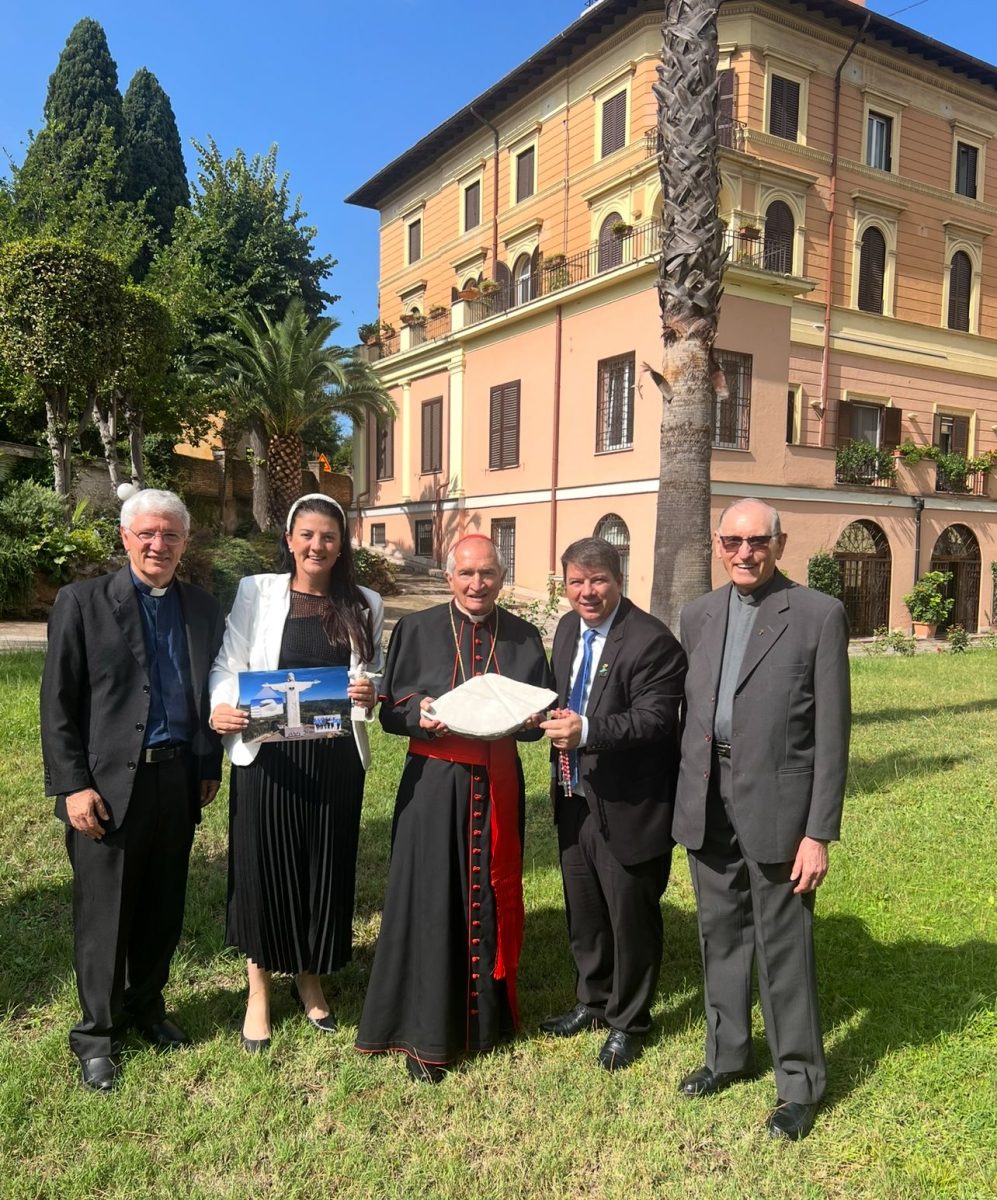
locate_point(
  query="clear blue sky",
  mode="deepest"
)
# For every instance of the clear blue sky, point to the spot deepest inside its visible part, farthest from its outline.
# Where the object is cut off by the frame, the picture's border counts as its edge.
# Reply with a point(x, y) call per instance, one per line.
point(341, 87)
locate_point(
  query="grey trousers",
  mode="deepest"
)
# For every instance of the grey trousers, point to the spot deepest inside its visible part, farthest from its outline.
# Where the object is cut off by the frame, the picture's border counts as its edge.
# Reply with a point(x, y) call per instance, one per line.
point(749, 914)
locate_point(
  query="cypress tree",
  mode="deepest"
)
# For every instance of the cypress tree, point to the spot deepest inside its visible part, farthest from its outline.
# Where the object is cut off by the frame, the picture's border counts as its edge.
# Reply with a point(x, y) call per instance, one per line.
point(82, 100)
point(155, 161)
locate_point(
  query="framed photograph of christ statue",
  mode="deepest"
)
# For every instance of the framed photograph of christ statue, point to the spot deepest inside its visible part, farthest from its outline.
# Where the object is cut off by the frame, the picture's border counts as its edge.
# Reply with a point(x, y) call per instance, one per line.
point(286, 705)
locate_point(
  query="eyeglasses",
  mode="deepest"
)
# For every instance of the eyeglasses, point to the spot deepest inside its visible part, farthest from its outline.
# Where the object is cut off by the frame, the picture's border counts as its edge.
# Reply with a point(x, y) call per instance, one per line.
point(147, 536)
point(759, 542)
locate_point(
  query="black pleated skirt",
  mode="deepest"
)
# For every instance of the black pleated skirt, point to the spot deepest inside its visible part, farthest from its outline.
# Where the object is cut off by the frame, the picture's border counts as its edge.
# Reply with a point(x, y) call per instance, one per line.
point(294, 823)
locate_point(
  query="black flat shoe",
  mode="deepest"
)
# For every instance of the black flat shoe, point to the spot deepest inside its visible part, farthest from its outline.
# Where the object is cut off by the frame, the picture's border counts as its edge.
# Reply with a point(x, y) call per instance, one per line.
point(791, 1120)
point(705, 1082)
point(579, 1020)
point(424, 1072)
point(164, 1034)
point(100, 1074)
point(254, 1045)
point(326, 1024)
point(620, 1050)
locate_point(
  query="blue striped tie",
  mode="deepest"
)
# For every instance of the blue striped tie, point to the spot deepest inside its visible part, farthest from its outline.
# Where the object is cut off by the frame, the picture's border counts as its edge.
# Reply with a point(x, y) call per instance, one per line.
point(579, 690)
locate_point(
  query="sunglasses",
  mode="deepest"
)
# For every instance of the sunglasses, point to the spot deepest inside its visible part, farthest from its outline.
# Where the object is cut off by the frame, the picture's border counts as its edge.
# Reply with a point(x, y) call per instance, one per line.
point(758, 542)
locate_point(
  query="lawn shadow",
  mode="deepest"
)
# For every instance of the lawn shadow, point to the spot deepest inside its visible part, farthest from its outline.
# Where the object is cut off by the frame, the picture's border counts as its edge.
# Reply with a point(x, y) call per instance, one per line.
point(878, 716)
point(870, 775)
point(906, 993)
point(36, 938)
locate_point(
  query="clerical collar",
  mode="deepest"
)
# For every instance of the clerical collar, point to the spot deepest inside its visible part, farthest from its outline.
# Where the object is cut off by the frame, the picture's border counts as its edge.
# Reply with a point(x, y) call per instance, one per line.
point(146, 588)
point(756, 595)
point(474, 618)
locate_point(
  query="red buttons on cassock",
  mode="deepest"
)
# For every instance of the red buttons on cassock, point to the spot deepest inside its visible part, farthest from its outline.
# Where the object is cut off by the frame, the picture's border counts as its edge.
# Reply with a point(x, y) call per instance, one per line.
point(475, 958)
point(474, 995)
point(476, 870)
point(474, 1012)
point(476, 850)
point(476, 924)
point(475, 975)
point(476, 941)
point(477, 815)
point(476, 905)
point(476, 887)
point(476, 832)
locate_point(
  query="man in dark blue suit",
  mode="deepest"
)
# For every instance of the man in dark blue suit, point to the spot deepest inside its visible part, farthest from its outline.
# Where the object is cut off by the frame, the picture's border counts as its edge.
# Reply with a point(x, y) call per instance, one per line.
point(131, 761)
point(619, 674)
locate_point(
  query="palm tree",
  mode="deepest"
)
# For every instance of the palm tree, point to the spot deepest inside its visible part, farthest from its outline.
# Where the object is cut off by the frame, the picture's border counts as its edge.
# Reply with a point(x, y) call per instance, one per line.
point(282, 374)
point(690, 276)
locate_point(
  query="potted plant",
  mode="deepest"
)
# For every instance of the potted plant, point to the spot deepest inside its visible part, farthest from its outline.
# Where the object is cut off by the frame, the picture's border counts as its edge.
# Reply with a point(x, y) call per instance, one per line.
point(471, 292)
point(751, 232)
point(369, 333)
point(488, 286)
point(413, 318)
point(927, 604)
point(438, 310)
point(387, 331)
point(621, 228)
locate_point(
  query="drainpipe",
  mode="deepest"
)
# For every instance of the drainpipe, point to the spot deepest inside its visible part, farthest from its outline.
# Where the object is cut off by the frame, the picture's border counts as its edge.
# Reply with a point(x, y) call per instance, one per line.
point(825, 362)
point(918, 502)
point(495, 188)
point(554, 443)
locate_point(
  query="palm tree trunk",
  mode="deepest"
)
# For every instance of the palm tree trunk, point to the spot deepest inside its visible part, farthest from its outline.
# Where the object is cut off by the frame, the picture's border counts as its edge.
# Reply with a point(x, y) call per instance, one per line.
point(690, 285)
point(284, 456)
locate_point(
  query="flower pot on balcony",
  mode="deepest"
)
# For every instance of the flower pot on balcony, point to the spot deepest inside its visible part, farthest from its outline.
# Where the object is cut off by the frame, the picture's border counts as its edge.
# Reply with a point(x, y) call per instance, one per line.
point(923, 631)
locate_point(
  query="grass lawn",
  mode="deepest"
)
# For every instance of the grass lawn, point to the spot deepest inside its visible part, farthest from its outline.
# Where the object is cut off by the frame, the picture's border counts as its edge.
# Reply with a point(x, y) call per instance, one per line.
point(906, 955)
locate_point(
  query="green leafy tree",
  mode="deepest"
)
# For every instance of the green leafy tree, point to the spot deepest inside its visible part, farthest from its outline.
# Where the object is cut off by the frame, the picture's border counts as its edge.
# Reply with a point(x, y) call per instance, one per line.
point(156, 170)
point(690, 284)
point(51, 199)
point(82, 101)
point(138, 390)
point(284, 373)
point(243, 244)
point(60, 332)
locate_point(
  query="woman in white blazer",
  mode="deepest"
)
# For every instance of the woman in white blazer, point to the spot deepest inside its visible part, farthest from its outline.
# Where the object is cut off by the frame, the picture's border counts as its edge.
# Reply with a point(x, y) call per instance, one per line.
point(294, 817)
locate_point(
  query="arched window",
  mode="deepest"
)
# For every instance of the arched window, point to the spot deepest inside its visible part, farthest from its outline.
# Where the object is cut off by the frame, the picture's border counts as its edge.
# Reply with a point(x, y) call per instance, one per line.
point(960, 289)
point(872, 270)
point(957, 551)
point(614, 530)
point(610, 252)
point(780, 228)
point(522, 280)
point(863, 554)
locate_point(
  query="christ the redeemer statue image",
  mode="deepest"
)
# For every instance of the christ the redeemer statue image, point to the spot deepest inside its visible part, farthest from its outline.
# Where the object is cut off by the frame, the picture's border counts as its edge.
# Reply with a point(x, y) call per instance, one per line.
point(292, 690)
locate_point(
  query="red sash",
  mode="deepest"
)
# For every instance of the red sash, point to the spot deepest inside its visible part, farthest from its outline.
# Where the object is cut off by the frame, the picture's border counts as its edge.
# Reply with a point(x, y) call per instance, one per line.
point(499, 758)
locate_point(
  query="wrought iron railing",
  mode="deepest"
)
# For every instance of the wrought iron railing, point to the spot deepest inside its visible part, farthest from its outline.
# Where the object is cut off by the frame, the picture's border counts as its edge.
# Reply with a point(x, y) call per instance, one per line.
point(730, 134)
point(972, 483)
point(771, 252)
point(860, 464)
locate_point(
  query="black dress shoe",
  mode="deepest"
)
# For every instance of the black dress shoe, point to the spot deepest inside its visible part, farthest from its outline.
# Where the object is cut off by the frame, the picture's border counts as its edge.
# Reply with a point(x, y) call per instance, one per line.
point(100, 1074)
point(579, 1020)
point(705, 1082)
point(424, 1072)
point(164, 1034)
point(254, 1045)
point(326, 1024)
point(791, 1120)
point(620, 1050)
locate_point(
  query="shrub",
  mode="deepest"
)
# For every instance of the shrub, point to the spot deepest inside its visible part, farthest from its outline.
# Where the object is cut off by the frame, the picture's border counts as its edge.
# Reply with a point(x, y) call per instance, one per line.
point(824, 574)
point(958, 639)
point(36, 517)
point(538, 612)
point(219, 564)
point(17, 575)
point(926, 602)
point(885, 640)
point(374, 571)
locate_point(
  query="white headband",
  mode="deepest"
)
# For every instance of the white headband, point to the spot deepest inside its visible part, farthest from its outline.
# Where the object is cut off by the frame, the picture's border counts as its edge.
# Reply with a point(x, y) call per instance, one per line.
point(313, 496)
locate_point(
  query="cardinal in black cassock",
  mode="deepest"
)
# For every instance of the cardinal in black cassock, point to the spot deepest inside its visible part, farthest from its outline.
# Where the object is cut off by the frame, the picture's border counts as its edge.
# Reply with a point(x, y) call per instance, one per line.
point(443, 983)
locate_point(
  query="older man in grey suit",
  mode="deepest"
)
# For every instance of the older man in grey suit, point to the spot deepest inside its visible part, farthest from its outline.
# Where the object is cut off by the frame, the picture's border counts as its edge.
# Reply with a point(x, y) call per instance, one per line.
point(762, 779)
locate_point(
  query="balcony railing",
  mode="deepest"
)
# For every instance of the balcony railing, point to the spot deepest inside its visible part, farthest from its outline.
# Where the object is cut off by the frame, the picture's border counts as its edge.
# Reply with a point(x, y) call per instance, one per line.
point(730, 134)
point(556, 272)
point(973, 483)
point(860, 464)
point(771, 252)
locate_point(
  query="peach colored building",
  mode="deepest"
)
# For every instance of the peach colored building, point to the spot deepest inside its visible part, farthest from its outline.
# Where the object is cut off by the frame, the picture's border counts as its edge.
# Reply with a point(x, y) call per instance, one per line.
point(517, 267)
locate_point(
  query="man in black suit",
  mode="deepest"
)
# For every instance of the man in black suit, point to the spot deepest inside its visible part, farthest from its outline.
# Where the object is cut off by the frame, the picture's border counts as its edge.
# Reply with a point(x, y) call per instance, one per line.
point(619, 674)
point(764, 759)
point(130, 759)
